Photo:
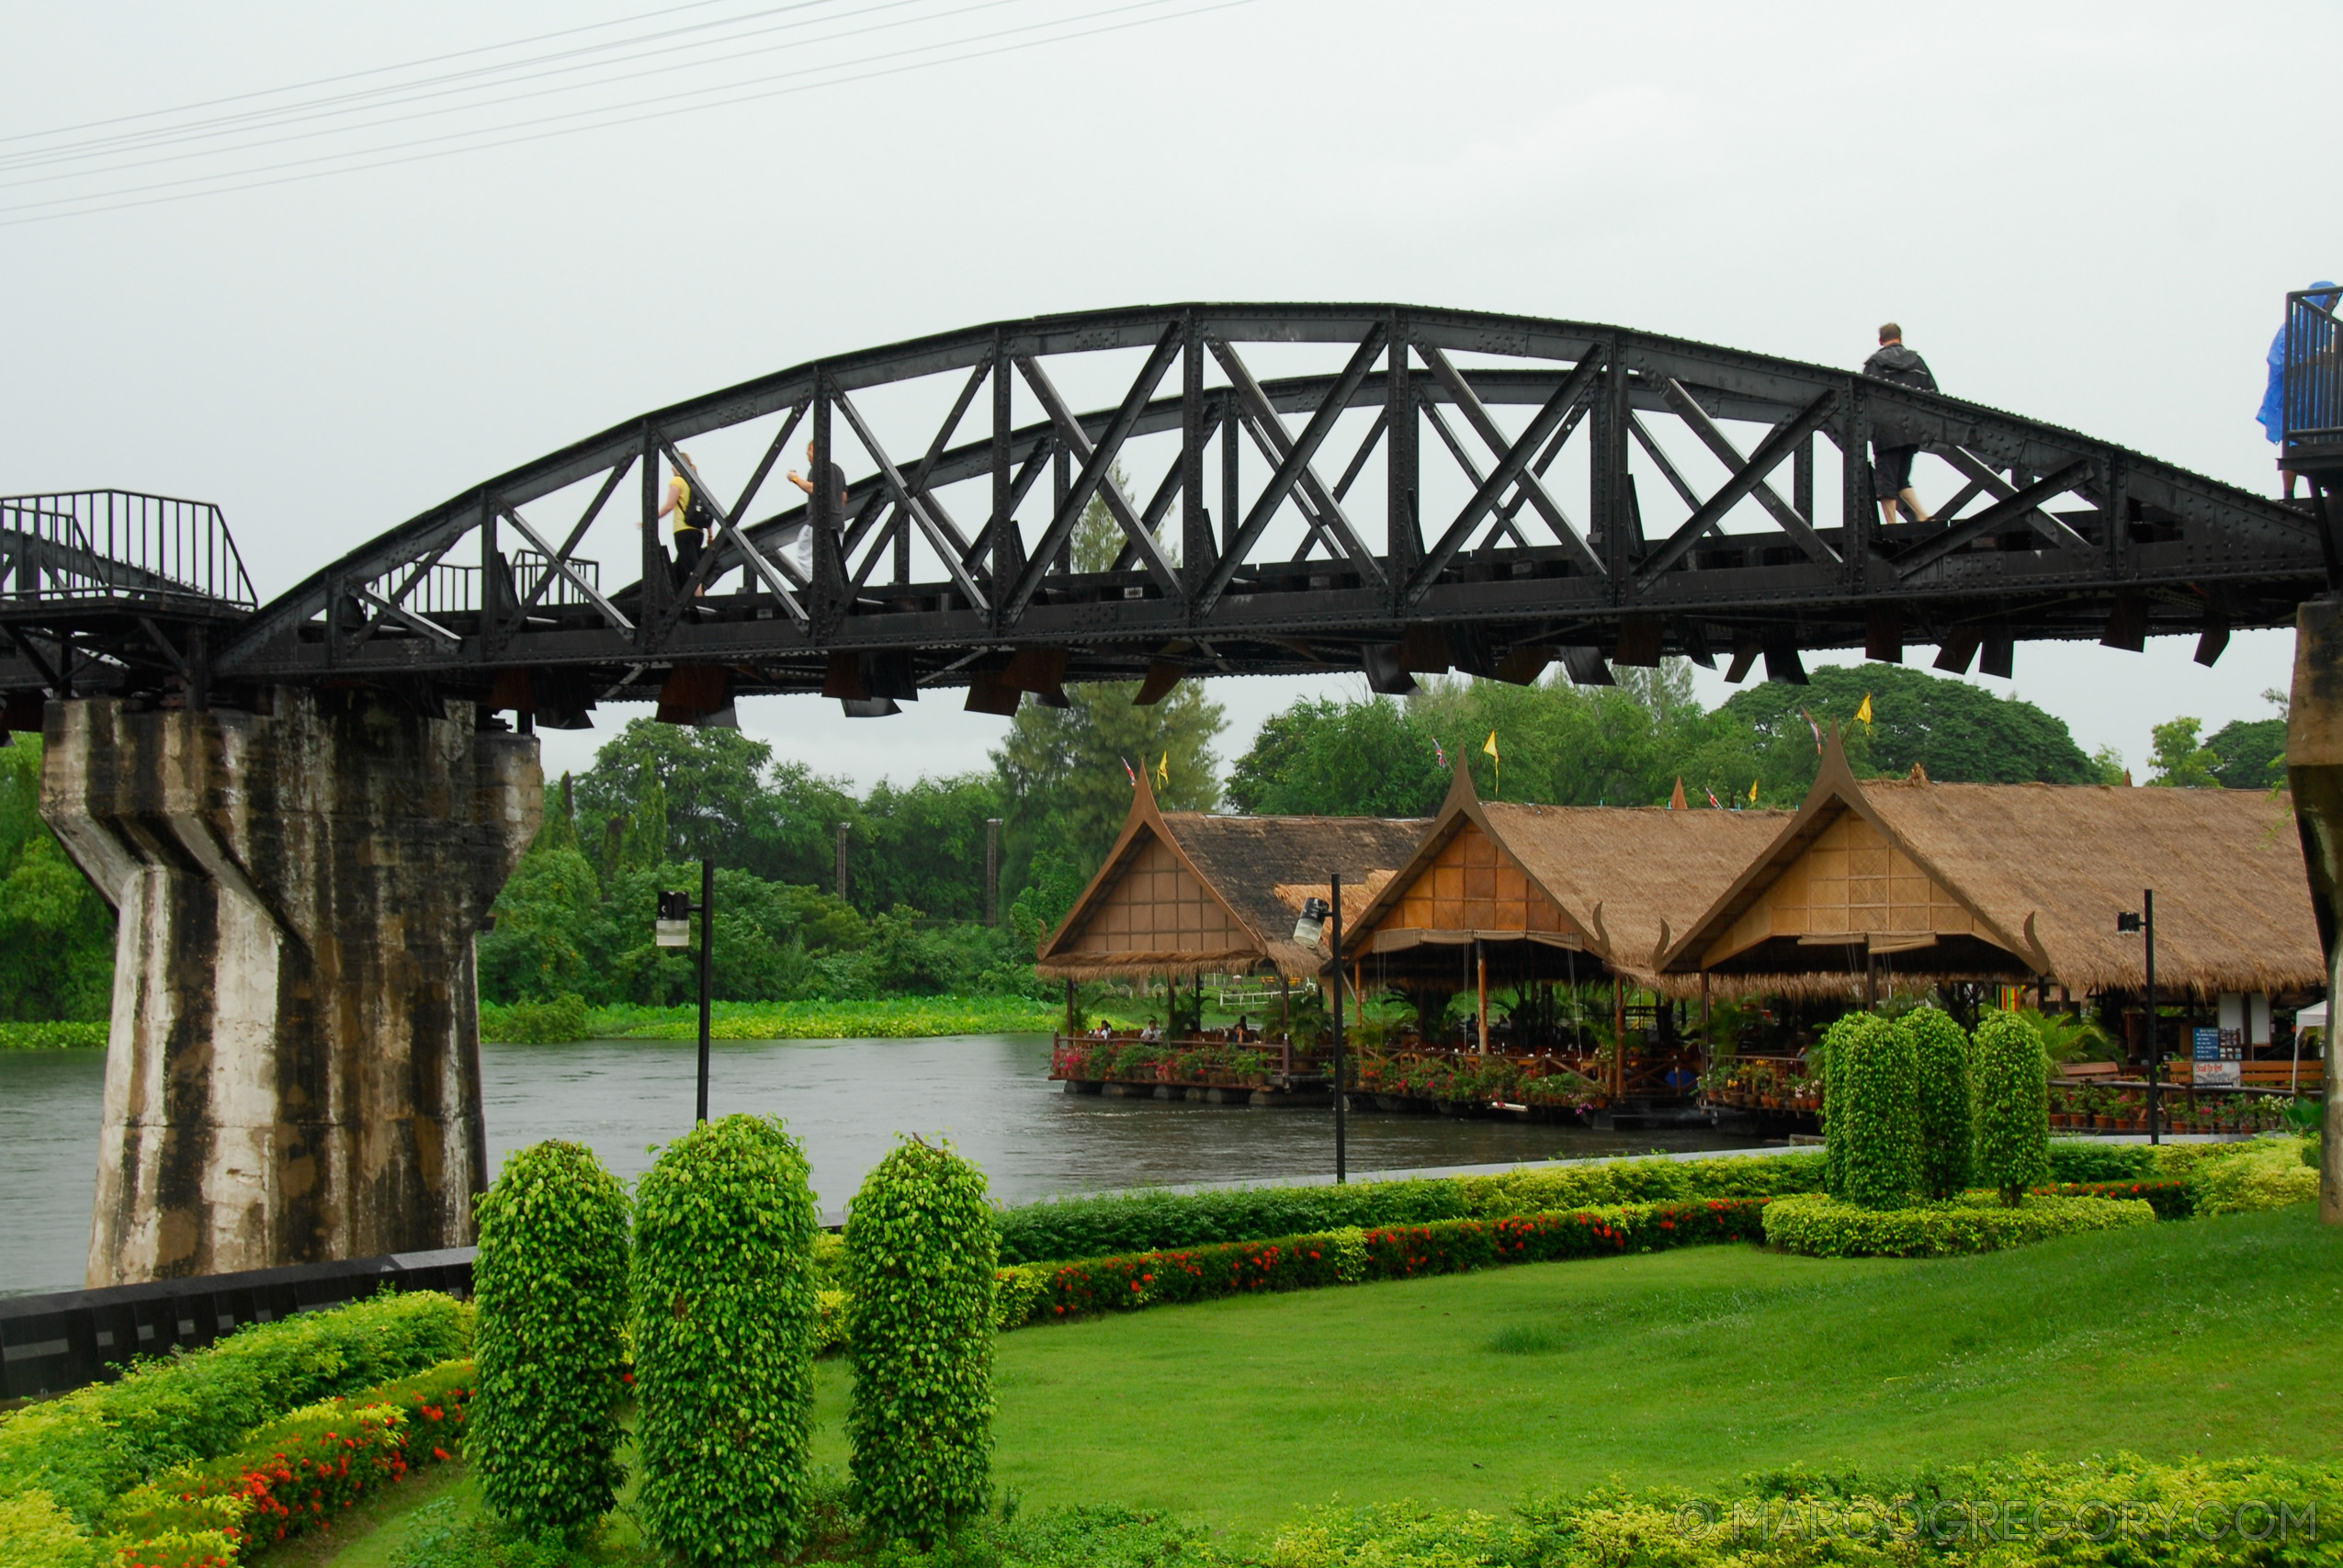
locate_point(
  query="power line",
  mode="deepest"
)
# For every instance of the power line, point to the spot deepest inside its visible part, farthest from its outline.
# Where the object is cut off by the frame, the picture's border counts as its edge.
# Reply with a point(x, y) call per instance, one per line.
point(8, 220)
point(355, 75)
point(284, 114)
point(323, 113)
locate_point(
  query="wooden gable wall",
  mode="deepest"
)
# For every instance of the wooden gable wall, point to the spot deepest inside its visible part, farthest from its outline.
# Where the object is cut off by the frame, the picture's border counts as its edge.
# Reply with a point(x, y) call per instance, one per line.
point(1472, 885)
point(1155, 904)
point(1851, 880)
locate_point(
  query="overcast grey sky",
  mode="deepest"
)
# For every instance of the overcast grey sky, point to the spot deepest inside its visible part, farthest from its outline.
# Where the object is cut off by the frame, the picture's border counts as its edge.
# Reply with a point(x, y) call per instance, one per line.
point(2080, 212)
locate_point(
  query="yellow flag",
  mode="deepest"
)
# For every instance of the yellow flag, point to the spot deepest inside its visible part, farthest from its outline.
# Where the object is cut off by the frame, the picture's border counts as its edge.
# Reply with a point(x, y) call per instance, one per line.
point(1753, 784)
point(1163, 771)
point(1490, 746)
point(1863, 713)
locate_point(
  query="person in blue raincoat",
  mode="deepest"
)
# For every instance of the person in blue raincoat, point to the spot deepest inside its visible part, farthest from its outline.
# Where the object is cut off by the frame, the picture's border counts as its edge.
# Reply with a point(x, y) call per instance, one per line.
point(2274, 398)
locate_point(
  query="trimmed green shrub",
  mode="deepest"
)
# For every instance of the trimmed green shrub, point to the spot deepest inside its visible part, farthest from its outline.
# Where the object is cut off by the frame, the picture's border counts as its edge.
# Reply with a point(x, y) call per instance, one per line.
point(725, 1320)
point(1875, 1116)
point(1826, 1228)
point(88, 1446)
point(293, 1476)
point(2093, 1159)
point(1129, 1281)
point(1941, 1060)
point(2265, 1174)
point(550, 1285)
point(1064, 1229)
point(2011, 1075)
point(2030, 1510)
point(919, 1269)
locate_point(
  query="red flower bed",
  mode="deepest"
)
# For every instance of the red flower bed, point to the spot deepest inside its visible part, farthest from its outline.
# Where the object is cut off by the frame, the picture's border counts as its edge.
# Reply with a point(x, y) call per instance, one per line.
point(1123, 1283)
point(2169, 1198)
point(297, 1474)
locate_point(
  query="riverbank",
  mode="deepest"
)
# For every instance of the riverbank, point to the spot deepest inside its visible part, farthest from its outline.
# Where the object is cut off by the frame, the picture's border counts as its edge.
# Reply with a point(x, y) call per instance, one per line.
point(896, 1018)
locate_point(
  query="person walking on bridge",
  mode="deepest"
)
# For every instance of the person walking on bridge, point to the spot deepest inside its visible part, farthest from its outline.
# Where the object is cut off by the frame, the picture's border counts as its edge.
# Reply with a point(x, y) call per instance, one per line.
point(691, 526)
point(2273, 398)
point(1891, 458)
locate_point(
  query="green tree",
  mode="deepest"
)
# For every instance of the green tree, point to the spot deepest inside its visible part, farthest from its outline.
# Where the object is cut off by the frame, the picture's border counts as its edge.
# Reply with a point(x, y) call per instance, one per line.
point(920, 1253)
point(1874, 1112)
point(922, 845)
point(1958, 732)
point(550, 1281)
point(2248, 753)
point(725, 1318)
point(1940, 1058)
point(2180, 762)
point(2009, 1073)
point(56, 932)
point(1321, 758)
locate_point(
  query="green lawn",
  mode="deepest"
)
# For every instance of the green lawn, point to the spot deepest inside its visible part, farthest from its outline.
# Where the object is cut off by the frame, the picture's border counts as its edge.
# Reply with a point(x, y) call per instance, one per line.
point(2220, 1335)
point(2223, 1336)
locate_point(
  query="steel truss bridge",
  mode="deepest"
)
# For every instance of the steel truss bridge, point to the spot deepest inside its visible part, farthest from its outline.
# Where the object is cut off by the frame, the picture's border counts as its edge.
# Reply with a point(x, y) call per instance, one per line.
point(1291, 487)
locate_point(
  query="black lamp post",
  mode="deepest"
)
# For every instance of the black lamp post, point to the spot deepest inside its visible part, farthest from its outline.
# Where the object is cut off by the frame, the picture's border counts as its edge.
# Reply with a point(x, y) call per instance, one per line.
point(2141, 923)
point(673, 929)
point(1316, 912)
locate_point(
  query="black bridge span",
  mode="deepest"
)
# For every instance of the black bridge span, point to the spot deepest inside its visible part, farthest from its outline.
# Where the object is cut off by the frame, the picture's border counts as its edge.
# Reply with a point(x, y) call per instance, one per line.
point(1293, 488)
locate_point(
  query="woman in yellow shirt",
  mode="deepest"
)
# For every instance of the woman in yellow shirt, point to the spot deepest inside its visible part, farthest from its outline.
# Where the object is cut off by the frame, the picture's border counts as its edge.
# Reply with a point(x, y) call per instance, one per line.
point(690, 536)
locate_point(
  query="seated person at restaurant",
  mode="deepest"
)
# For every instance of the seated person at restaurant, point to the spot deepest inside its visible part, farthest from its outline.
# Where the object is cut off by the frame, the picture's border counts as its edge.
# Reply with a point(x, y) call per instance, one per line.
point(1150, 1032)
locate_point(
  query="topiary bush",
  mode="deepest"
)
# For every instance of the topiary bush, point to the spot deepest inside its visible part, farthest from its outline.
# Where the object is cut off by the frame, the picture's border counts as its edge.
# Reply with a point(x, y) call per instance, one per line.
point(725, 1322)
point(1874, 1112)
point(550, 1284)
point(2010, 1074)
point(1941, 1060)
point(919, 1265)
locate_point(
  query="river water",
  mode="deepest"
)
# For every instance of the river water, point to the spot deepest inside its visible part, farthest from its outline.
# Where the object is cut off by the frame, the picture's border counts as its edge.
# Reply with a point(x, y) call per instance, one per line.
point(846, 1099)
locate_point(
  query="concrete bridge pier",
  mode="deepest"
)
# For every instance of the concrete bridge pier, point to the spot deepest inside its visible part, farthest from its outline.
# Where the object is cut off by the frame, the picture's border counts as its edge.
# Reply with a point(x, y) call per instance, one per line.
point(293, 1071)
point(2315, 774)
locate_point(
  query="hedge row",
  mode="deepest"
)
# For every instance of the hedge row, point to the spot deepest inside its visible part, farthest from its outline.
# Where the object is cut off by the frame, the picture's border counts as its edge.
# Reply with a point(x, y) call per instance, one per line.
point(2170, 1199)
point(1065, 1229)
point(291, 1477)
point(2027, 1510)
point(1043, 1293)
point(1826, 1228)
point(53, 1036)
point(92, 1445)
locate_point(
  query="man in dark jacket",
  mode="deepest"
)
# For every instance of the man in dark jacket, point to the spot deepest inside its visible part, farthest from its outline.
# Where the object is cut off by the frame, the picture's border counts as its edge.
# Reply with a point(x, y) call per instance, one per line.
point(1891, 462)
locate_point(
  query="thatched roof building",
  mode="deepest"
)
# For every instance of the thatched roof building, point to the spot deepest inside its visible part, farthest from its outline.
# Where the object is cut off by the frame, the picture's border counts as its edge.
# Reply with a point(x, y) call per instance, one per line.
point(1188, 893)
point(1959, 881)
point(1552, 891)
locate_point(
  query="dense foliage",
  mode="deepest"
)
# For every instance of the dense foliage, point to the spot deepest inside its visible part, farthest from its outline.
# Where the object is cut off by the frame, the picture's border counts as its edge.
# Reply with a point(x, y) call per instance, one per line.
point(2250, 753)
point(56, 933)
point(1829, 1227)
point(2010, 1075)
point(1873, 1097)
point(725, 1319)
point(1941, 1062)
point(549, 1282)
point(88, 1446)
point(918, 1262)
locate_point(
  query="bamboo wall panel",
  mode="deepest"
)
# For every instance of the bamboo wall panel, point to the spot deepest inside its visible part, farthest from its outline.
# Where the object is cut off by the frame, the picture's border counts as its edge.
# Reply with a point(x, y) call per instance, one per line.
point(1851, 880)
point(1474, 886)
point(1156, 905)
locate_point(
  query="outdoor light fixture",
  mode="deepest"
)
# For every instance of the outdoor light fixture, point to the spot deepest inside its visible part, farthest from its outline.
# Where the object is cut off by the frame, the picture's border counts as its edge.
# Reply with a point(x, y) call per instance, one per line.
point(2128, 922)
point(1312, 924)
point(674, 926)
point(673, 929)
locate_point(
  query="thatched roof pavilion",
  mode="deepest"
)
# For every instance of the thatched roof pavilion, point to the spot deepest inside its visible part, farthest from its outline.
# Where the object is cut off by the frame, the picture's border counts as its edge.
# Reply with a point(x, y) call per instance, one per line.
point(2011, 882)
point(1550, 891)
point(1191, 893)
